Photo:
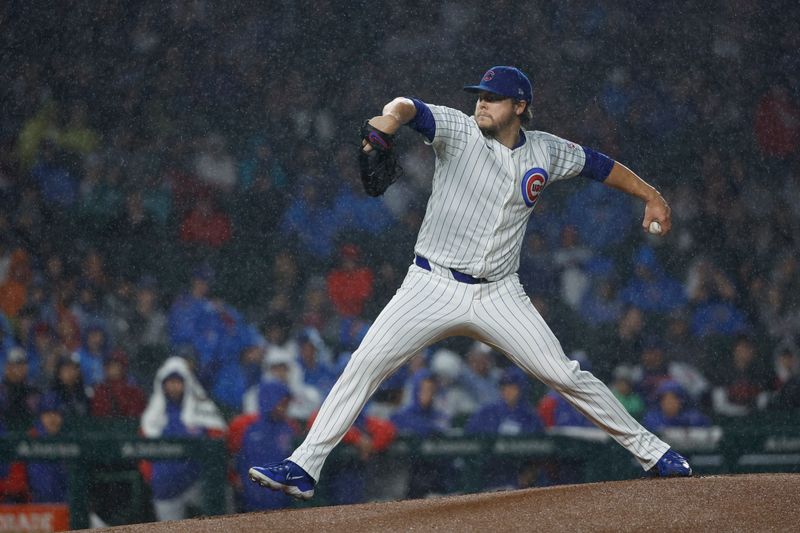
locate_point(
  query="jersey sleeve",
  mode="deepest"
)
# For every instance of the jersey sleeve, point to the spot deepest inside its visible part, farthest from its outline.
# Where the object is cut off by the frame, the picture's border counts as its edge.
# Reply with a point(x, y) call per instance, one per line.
point(423, 121)
point(567, 159)
point(453, 129)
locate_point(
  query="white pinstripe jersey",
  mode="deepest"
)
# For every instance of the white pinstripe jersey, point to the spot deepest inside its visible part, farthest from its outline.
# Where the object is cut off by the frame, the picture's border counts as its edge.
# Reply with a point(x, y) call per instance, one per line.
point(483, 194)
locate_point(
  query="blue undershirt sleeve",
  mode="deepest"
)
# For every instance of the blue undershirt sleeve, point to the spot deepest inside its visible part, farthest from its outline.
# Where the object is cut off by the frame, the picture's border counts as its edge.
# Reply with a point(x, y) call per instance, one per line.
point(597, 166)
point(423, 121)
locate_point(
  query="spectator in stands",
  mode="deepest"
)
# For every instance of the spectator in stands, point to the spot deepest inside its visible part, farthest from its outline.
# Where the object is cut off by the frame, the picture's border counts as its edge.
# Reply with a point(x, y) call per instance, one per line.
point(679, 345)
point(422, 419)
point(57, 185)
point(786, 364)
point(93, 353)
point(262, 163)
point(282, 365)
point(68, 327)
point(14, 289)
point(262, 437)
point(570, 260)
point(148, 325)
point(673, 409)
point(257, 212)
point(314, 358)
point(706, 282)
point(6, 338)
point(191, 308)
point(512, 415)
point(316, 309)
point(778, 302)
point(206, 225)
point(650, 287)
point(777, 122)
point(453, 396)
point(622, 388)
point(236, 365)
point(742, 382)
point(43, 349)
point(140, 326)
point(134, 235)
point(481, 376)
point(116, 397)
point(55, 270)
point(350, 285)
point(654, 368)
point(214, 164)
point(287, 283)
point(787, 377)
point(601, 305)
point(117, 308)
point(48, 480)
point(77, 136)
point(70, 390)
point(178, 407)
point(620, 345)
point(23, 331)
point(101, 194)
point(94, 270)
point(5, 255)
point(310, 223)
point(719, 318)
point(38, 130)
point(20, 397)
point(86, 304)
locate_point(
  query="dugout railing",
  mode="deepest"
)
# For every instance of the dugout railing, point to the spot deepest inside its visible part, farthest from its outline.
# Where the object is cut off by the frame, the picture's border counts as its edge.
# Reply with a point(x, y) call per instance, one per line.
point(769, 446)
point(84, 454)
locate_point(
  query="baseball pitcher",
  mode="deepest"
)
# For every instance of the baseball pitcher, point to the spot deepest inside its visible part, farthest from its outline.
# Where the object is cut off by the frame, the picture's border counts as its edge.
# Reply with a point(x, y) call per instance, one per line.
point(489, 174)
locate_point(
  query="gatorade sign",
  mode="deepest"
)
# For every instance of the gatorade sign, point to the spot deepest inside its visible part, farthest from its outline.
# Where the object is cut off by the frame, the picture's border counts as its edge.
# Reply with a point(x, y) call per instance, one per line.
point(34, 518)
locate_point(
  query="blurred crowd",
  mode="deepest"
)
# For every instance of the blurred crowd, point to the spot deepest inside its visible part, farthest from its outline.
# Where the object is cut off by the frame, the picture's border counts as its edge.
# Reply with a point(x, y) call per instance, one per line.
point(184, 241)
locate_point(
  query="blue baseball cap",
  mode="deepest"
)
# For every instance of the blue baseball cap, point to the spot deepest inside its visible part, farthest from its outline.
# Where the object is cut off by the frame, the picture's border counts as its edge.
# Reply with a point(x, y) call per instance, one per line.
point(506, 81)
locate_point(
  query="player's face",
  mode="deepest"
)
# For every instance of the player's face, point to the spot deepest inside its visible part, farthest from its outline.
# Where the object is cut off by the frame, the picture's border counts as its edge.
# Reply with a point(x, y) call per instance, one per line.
point(495, 113)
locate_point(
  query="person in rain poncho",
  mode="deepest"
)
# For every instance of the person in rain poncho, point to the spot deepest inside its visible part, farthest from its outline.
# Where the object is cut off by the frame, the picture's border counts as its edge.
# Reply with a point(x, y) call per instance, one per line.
point(178, 407)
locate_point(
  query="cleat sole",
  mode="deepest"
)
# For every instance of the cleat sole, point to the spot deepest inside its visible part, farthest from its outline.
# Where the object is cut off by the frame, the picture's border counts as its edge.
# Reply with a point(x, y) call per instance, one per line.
point(291, 490)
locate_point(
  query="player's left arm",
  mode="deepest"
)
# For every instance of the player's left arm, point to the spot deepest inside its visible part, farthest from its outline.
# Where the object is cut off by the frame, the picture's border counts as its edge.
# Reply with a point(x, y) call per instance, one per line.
point(655, 207)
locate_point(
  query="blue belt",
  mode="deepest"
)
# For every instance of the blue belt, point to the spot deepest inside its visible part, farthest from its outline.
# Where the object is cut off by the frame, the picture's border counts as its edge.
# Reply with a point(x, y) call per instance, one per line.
point(458, 276)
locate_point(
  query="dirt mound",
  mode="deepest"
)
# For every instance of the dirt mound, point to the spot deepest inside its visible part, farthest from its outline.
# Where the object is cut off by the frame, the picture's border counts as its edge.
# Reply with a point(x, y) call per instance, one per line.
point(763, 502)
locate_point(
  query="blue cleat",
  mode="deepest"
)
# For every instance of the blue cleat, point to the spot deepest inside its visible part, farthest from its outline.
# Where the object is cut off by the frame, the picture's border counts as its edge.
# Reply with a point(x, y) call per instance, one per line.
point(284, 476)
point(671, 464)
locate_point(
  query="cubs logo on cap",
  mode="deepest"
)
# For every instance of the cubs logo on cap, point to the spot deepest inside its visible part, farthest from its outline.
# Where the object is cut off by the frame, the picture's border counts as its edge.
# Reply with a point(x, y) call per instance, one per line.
point(505, 81)
point(532, 184)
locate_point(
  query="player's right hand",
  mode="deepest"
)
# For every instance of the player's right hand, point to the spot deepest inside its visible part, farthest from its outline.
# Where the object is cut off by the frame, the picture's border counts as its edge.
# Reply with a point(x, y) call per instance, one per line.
point(657, 209)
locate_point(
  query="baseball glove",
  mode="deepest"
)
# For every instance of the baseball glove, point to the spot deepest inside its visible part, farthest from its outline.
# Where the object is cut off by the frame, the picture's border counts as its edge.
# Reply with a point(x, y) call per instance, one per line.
point(379, 167)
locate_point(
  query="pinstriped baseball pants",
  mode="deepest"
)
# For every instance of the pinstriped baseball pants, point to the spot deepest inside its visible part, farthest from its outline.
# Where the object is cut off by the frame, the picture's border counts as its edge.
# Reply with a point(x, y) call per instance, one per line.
point(430, 306)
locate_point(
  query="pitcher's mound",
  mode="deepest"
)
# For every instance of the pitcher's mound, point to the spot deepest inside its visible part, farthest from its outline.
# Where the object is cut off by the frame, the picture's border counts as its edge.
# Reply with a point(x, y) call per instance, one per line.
point(754, 502)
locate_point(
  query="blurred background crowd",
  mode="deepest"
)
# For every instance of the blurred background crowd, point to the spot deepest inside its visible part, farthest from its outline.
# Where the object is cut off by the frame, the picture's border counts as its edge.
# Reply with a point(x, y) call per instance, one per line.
point(181, 217)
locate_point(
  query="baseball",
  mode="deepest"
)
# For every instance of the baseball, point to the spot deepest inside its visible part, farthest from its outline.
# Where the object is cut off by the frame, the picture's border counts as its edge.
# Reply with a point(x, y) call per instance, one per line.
point(655, 228)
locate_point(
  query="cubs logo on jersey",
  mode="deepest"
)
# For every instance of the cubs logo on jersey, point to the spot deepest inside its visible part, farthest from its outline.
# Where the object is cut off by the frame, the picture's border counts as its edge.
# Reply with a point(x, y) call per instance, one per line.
point(532, 184)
